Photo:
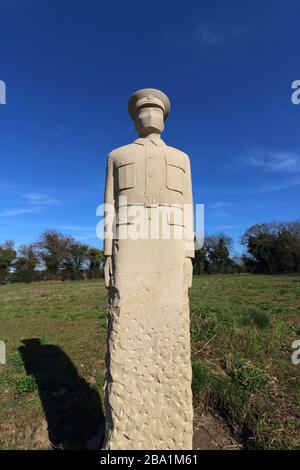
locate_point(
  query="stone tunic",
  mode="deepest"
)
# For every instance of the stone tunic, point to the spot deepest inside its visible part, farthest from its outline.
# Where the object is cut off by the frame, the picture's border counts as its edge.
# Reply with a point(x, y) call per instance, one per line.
point(148, 379)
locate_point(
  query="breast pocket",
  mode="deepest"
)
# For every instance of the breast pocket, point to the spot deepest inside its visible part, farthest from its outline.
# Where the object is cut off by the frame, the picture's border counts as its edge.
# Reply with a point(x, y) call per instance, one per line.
point(175, 174)
point(126, 175)
point(175, 216)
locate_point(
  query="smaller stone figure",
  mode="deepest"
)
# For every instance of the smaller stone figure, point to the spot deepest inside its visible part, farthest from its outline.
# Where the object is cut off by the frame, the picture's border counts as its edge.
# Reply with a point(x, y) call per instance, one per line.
point(2, 353)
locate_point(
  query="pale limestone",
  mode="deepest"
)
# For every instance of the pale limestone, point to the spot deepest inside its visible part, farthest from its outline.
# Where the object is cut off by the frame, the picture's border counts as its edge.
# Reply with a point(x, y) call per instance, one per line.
point(2, 353)
point(148, 380)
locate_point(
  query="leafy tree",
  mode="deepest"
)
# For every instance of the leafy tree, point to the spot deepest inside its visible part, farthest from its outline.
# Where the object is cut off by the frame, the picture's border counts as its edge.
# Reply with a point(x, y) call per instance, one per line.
point(214, 256)
point(259, 241)
point(26, 263)
point(273, 247)
point(76, 258)
point(95, 260)
point(218, 253)
point(238, 264)
point(53, 251)
point(200, 261)
point(7, 257)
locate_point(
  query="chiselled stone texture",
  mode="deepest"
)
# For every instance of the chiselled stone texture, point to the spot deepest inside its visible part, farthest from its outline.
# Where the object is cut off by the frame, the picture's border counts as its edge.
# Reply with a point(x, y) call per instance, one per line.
point(149, 399)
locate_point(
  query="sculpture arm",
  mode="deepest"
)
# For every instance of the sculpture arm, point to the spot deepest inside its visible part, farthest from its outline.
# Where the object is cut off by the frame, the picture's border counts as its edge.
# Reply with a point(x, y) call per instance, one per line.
point(189, 213)
point(109, 208)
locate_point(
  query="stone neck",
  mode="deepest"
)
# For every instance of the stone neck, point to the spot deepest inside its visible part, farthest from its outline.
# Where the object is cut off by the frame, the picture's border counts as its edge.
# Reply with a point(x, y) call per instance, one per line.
point(154, 136)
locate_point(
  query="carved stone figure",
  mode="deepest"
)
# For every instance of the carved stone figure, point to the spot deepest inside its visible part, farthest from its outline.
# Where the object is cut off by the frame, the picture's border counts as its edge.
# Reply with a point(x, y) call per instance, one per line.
point(148, 272)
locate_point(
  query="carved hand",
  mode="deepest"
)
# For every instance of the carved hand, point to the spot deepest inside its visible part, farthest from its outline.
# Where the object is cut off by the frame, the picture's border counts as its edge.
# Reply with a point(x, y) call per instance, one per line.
point(189, 271)
point(107, 271)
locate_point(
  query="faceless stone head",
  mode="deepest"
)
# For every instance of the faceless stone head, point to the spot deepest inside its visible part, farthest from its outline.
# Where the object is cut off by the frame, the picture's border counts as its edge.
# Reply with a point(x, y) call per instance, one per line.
point(149, 108)
point(149, 119)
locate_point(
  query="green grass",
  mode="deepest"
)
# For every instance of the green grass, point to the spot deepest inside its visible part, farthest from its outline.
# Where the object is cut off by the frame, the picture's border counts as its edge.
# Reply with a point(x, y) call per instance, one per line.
point(242, 328)
point(26, 384)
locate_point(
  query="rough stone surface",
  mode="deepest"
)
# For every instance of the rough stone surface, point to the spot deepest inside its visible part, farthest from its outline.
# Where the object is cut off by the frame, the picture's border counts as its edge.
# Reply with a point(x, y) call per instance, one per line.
point(148, 380)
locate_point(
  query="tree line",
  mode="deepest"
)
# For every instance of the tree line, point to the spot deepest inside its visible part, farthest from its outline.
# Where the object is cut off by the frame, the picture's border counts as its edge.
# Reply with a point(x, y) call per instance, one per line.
point(270, 248)
point(53, 256)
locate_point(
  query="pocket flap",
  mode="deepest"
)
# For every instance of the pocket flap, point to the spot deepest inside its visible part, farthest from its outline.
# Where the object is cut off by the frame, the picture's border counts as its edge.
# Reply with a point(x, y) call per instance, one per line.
point(125, 160)
point(175, 160)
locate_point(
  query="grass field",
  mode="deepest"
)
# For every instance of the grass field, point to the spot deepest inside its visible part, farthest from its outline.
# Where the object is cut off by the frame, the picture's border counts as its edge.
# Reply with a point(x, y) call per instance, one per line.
point(242, 328)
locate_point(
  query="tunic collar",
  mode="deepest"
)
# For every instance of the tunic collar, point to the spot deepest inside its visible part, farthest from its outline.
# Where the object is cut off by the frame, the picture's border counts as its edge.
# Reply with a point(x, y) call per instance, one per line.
point(143, 141)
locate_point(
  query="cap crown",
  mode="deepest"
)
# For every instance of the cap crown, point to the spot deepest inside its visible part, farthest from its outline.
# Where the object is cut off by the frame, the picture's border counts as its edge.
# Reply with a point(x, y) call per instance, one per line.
point(148, 97)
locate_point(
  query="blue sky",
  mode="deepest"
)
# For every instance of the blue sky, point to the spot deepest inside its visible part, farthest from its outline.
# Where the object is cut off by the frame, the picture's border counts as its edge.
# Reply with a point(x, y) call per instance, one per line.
point(69, 68)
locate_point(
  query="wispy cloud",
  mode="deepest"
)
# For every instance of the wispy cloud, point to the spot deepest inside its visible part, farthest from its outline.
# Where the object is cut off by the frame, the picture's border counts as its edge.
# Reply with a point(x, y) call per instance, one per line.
point(269, 188)
point(35, 201)
point(40, 199)
point(265, 188)
point(20, 211)
point(32, 152)
point(228, 227)
point(270, 161)
point(220, 208)
point(58, 129)
point(81, 232)
point(221, 214)
point(222, 40)
point(37, 155)
point(211, 34)
point(221, 205)
point(75, 228)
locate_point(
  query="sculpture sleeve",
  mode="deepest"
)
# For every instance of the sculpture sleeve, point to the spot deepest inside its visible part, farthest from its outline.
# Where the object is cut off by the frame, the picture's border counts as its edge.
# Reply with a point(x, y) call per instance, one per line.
point(109, 208)
point(189, 212)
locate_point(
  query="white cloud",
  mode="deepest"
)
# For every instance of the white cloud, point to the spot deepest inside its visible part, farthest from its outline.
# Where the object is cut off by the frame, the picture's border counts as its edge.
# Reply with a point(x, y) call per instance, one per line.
point(37, 203)
point(221, 205)
point(40, 199)
point(272, 161)
point(221, 214)
point(220, 208)
point(74, 227)
point(14, 212)
point(228, 226)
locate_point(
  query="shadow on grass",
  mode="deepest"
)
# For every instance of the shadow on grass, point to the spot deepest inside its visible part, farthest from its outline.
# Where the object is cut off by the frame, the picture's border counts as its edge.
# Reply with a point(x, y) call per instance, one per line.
point(72, 407)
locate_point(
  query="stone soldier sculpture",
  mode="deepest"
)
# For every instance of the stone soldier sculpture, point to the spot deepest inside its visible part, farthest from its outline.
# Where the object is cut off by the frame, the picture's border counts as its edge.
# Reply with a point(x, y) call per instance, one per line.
point(148, 379)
